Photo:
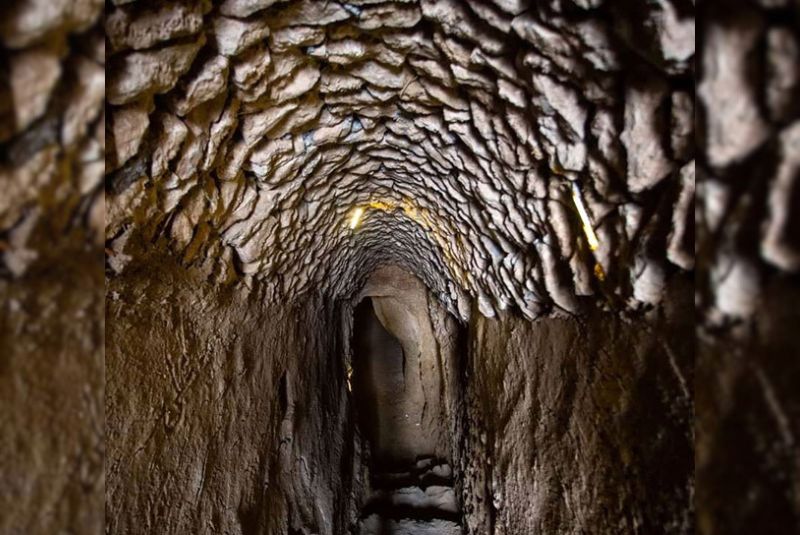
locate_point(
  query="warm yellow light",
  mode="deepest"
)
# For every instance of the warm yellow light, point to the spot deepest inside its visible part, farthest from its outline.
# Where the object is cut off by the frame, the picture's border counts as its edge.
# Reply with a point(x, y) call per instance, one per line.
point(407, 206)
point(411, 211)
point(586, 221)
point(599, 272)
point(379, 205)
point(355, 219)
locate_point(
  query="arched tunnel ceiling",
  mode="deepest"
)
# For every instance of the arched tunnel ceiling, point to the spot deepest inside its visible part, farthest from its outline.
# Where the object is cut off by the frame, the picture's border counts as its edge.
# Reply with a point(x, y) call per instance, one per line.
point(247, 131)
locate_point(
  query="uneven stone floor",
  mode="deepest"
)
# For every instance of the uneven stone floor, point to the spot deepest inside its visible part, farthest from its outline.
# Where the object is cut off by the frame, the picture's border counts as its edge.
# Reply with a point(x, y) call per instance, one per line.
point(420, 500)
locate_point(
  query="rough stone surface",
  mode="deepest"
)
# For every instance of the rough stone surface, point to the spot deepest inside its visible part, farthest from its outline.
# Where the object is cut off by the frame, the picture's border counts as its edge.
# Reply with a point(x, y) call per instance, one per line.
point(26, 23)
point(437, 113)
point(745, 419)
point(647, 160)
point(236, 141)
point(735, 124)
point(128, 126)
point(52, 219)
point(244, 8)
point(51, 395)
point(248, 411)
point(580, 426)
point(138, 29)
point(208, 82)
point(233, 36)
point(144, 73)
point(34, 74)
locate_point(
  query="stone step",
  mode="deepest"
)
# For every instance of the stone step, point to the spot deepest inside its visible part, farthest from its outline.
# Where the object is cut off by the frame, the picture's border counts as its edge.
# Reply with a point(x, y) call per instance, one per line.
point(432, 498)
point(415, 499)
point(426, 472)
point(378, 525)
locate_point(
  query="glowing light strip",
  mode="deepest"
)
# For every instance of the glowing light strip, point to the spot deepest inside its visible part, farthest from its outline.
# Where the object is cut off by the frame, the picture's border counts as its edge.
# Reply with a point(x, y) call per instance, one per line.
point(591, 237)
point(379, 205)
point(416, 214)
point(356, 217)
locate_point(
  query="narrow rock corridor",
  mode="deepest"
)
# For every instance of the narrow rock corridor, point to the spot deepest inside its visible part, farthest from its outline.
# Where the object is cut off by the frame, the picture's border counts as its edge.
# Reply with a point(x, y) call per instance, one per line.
point(399, 267)
point(398, 381)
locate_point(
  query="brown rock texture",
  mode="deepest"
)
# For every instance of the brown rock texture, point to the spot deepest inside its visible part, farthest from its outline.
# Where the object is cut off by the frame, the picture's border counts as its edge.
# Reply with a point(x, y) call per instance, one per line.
point(581, 426)
point(52, 378)
point(244, 428)
point(52, 381)
point(399, 267)
point(746, 283)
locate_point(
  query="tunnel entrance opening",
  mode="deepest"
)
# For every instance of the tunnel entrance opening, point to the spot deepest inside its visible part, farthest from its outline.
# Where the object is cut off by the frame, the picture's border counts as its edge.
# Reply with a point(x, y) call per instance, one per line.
point(403, 389)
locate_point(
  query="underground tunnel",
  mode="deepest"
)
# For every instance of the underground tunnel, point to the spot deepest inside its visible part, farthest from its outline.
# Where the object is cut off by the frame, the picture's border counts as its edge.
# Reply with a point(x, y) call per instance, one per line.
point(399, 267)
point(410, 267)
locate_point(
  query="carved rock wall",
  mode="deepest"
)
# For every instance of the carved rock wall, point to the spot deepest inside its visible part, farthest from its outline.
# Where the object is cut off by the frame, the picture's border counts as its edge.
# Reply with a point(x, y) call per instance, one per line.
point(581, 426)
point(52, 381)
point(746, 284)
point(52, 83)
point(224, 415)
